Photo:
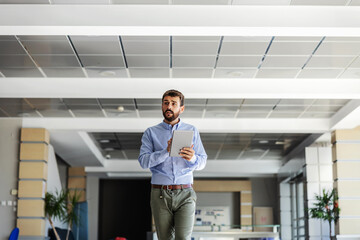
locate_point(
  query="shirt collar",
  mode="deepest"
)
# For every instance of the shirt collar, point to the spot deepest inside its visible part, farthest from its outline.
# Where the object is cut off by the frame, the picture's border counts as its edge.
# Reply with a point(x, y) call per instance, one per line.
point(168, 126)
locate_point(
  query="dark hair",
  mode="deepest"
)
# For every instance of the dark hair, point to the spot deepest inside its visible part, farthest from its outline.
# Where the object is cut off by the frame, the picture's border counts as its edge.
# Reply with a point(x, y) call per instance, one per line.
point(174, 93)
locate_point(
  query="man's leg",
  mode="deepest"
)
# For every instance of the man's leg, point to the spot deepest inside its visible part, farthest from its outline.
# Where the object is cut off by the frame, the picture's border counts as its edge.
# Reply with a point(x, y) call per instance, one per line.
point(185, 214)
point(163, 216)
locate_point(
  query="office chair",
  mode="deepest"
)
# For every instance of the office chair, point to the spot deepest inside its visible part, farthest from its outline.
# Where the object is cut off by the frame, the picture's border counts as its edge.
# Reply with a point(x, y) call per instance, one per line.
point(14, 235)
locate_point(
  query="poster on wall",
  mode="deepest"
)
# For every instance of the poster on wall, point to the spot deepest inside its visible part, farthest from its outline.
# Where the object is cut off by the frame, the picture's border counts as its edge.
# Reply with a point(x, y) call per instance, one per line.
point(212, 218)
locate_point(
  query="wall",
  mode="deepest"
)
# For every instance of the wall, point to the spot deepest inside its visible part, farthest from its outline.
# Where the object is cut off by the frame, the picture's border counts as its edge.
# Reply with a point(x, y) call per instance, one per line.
point(92, 196)
point(9, 162)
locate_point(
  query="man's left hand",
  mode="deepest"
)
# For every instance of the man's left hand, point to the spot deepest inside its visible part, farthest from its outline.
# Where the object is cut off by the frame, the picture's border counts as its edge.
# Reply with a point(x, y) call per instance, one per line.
point(187, 153)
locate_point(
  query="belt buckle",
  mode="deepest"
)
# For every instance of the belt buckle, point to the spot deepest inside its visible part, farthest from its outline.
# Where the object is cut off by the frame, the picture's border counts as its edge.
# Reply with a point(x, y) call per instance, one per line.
point(168, 187)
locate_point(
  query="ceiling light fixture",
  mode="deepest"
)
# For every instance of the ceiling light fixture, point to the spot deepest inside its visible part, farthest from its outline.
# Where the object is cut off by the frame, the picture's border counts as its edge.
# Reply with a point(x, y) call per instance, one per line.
point(120, 108)
point(235, 74)
point(263, 141)
point(279, 143)
point(104, 141)
point(108, 73)
point(109, 149)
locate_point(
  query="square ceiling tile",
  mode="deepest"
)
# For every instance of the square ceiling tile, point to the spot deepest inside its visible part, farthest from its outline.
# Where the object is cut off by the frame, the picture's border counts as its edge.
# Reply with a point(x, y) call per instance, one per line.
point(194, 61)
point(80, 1)
point(11, 47)
point(251, 115)
point(284, 115)
point(127, 112)
point(21, 72)
point(150, 111)
point(317, 115)
point(292, 48)
point(149, 101)
point(16, 61)
point(295, 102)
point(107, 72)
point(145, 38)
point(140, 2)
point(319, 73)
point(324, 108)
point(201, 2)
point(256, 108)
point(148, 61)
point(342, 39)
point(96, 45)
point(194, 48)
point(284, 62)
point(196, 38)
point(319, 2)
point(149, 72)
point(195, 102)
point(191, 73)
point(192, 112)
point(277, 73)
point(146, 47)
point(297, 39)
point(63, 72)
point(262, 102)
point(102, 61)
point(42, 38)
point(354, 3)
point(54, 111)
point(88, 111)
point(225, 102)
point(261, 2)
point(329, 62)
point(331, 102)
point(354, 64)
point(116, 101)
point(238, 61)
point(246, 39)
point(48, 47)
point(56, 61)
point(351, 73)
point(339, 48)
point(7, 38)
point(78, 102)
point(244, 48)
point(24, 2)
point(235, 73)
point(291, 109)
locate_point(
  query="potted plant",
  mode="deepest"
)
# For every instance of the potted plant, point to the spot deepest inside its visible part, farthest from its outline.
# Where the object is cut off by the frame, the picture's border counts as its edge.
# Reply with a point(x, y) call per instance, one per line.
point(326, 207)
point(71, 216)
point(55, 208)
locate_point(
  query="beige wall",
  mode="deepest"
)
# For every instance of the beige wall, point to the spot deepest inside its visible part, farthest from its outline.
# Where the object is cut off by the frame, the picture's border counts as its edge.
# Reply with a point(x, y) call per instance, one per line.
point(9, 162)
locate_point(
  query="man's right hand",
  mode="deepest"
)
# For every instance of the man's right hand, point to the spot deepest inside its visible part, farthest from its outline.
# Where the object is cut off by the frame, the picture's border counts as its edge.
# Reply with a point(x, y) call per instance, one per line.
point(169, 145)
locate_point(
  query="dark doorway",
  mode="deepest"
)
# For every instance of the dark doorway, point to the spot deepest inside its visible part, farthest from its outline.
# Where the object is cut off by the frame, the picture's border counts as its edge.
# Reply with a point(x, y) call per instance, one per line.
point(124, 209)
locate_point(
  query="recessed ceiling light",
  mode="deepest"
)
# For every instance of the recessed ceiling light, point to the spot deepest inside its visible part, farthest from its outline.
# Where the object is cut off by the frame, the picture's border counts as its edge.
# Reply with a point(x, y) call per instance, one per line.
point(109, 149)
point(263, 141)
point(108, 73)
point(104, 141)
point(279, 143)
point(235, 74)
point(120, 108)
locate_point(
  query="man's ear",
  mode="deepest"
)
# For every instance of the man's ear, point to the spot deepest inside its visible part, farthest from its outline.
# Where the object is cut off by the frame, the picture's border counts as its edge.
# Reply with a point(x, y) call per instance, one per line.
point(182, 108)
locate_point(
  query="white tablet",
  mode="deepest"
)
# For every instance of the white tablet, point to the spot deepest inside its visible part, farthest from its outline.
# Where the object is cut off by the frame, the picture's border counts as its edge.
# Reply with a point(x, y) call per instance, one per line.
point(180, 140)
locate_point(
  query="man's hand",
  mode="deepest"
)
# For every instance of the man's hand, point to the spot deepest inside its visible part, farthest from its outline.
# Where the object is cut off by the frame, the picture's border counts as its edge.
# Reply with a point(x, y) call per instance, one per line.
point(169, 145)
point(187, 153)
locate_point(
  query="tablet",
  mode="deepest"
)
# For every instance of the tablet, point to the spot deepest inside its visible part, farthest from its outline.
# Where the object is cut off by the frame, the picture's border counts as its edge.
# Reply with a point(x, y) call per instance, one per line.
point(180, 140)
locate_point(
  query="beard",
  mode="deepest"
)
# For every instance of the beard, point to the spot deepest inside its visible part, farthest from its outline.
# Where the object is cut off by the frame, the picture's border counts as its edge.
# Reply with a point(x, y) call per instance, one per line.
point(172, 117)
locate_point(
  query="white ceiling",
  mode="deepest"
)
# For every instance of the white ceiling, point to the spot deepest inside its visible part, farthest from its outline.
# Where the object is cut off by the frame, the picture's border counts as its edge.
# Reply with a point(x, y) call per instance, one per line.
point(256, 67)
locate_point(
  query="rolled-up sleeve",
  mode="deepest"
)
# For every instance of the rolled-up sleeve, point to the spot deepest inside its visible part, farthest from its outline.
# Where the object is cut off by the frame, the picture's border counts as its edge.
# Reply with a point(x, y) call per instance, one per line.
point(199, 160)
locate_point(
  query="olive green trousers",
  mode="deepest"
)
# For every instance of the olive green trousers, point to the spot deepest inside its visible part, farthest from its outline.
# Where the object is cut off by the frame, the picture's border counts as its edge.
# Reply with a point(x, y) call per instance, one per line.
point(174, 213)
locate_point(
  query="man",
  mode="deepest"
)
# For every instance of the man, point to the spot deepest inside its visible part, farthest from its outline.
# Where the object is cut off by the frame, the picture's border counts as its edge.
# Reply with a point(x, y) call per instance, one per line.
point(172, 196)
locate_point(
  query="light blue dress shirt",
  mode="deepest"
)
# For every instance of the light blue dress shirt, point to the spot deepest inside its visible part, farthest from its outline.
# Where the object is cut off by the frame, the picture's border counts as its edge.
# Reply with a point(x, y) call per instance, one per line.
point(168, 170)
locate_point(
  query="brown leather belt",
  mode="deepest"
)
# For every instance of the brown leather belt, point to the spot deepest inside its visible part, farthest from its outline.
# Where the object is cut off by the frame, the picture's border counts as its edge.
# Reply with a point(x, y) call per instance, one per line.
point(172, 187)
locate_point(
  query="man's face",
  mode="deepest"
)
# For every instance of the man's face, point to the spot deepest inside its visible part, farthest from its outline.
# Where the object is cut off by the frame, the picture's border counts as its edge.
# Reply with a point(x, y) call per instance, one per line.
point(171, 108)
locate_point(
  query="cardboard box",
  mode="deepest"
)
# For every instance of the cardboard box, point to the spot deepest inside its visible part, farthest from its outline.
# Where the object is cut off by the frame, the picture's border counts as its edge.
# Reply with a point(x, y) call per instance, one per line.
point(35, 135)
point(263, 216)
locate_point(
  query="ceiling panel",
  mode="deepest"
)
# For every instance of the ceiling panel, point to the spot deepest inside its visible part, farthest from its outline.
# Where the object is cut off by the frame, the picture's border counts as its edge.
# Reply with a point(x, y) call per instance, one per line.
point(54, 111)
point(277, 73)
point(7, 38)
point(106, 72)
point(224, 102)
point(319, 2)
point(148, 61)
point(63, 72)
point(296, 39)
point(146, 47)
point(201, 2)
point(191, 73)
point(243, 48)
point(21, 72)
point(48, 47)
point(11, 47)
point(255, 108)
point(16, 61)
point(284, 61)
point(86, 111)
point(150, 111)
point(194, 61)
point(57, 61)
point(24, 1)
point(126, 111)
point(80, 1)
point(319, 73)
point(139, 1)
point(351, 73)
point(96, 45)
point(261, 2)
point(271, 102)
point(354, 3)
point(293, 109)
point(324, 108)
point(149, 101)
point(145, 38)
point(196, 38)
point(102, 61)
point(192, 111)
point(292, 48)
point(294, 102)
point(42, 38)
point(149, 72)
point(235, 73)
point(238, 61)
point(80, 101)
point(15, 107)
point(116, 101)
point(246, 39)
point(331, 102)
point(338, 48)
point(355, 64)
point(316, 115)
point(251, 115)
point(329, 62)
point(194, 48)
